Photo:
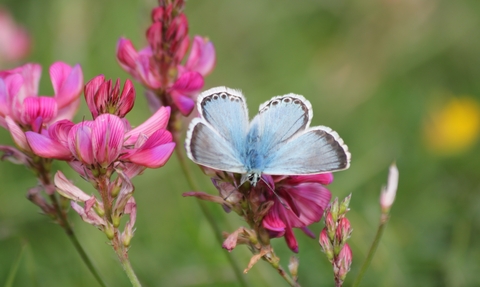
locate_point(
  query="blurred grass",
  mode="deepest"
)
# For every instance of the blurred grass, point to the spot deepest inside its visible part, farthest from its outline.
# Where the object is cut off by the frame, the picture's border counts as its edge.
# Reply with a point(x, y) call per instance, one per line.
point(374, 70)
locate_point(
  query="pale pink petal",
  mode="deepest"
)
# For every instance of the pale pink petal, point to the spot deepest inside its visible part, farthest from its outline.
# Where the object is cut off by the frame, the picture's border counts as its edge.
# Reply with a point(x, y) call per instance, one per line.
point(13, 155)
point(157, 121)
point(67, 82)
point(46, 147)
point(90, 217)
point(68, 189)
point(17, 134)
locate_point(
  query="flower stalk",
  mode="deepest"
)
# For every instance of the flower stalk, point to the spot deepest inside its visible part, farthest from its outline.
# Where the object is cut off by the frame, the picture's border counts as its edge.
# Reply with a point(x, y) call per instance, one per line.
point(387, 198)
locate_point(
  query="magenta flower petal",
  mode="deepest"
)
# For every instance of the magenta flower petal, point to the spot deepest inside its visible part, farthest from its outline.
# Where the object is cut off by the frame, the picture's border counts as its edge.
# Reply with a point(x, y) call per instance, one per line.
point(291, 240)
point(67, 82)
point(90, 91)
point(202, 56)
point(323, 178)
point(154, 157)
point(107, 138)
point(157, 121)
point(184, 103)
point(126, 54)
point(59, 131)
point(188, 82)
point(38, 107)
point(46, 147)
point(80, 142)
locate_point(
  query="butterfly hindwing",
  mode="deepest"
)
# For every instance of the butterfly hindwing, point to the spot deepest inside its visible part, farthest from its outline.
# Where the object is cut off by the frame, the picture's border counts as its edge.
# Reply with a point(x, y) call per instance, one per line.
point(316, 150)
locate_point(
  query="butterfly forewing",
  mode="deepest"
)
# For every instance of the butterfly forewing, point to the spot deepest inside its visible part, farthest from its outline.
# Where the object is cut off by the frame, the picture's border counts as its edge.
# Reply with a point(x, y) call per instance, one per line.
point(278, 120)
point(205, 146)
point(317, 150)
point(225, 110)
point(217, 139)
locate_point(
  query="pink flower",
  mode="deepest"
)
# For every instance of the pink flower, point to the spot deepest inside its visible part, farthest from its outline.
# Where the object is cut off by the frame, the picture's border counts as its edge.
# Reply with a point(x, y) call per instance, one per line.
point(20, 101)
point(202, 56)
point(14, 39)
point(102, 98)
point(298, 202)
point(107, 141)
point(158, 66)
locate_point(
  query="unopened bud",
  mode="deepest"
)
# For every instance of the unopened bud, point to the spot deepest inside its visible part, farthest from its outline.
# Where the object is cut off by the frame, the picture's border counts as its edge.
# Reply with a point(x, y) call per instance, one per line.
point(109, 231)
point(326, 245)
point(387, 196)
point(343, 231)
point(293, 267)
point(330, 225)
point(344, 205)
point(334, 208)
point(343, 263)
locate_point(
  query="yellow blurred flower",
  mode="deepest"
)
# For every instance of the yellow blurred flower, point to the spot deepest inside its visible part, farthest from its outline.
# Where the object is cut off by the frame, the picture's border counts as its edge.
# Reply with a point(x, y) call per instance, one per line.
point(454, 127)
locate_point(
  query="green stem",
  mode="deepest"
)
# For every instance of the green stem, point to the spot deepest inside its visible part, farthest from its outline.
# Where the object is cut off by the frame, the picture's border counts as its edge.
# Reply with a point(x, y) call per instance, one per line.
point(73, 238)
point(210, 218)
point(383, 222)
point(287, 277)
point(128, 268)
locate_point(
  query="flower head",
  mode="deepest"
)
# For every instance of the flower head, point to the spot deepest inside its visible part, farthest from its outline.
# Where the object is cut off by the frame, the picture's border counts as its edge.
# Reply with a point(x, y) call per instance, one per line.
point(14, 40)
point(298, 202)
point(103, 98)
point(159, 65)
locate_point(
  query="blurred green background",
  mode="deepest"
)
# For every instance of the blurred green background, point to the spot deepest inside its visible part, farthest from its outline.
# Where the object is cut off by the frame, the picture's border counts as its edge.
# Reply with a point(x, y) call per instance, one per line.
point(397, 79)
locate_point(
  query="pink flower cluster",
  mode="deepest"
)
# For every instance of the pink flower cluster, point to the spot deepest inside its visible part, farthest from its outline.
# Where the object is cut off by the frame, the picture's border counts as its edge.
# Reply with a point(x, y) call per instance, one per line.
point(159, 65)
point(14, 39)
point(23, 109)
point(275, 206)
point(107, 141)
point(333, 239)
point(43, 130)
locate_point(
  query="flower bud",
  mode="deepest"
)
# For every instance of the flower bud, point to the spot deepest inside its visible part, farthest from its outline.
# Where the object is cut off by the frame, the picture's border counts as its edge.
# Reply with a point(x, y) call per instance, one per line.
point(293, 266)
point(387, 196)
point(344, 260)
point(326, 245)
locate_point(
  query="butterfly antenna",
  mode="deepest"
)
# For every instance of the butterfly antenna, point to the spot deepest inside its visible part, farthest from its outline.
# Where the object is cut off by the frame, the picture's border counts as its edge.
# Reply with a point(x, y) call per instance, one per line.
point(235, 189)
point(276, 194)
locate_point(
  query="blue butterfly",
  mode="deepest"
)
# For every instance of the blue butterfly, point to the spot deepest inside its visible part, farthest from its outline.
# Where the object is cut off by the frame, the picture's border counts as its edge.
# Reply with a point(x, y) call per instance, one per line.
point(278, 141)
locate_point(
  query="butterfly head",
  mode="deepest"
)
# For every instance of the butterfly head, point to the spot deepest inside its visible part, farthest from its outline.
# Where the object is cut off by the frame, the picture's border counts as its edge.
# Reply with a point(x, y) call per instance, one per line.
point(253, 177)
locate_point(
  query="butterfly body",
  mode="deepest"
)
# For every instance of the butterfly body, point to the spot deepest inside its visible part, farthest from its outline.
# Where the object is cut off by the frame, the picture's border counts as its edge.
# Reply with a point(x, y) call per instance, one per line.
point(278, 141)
